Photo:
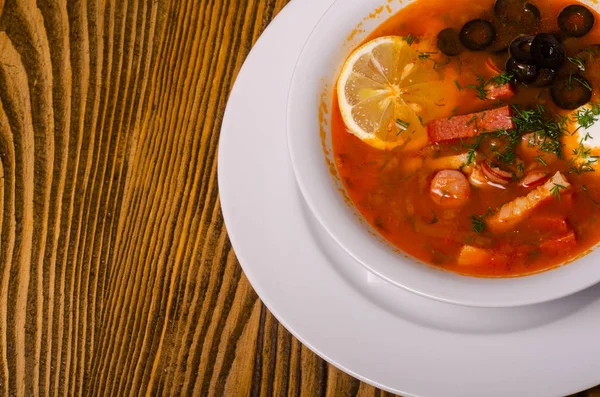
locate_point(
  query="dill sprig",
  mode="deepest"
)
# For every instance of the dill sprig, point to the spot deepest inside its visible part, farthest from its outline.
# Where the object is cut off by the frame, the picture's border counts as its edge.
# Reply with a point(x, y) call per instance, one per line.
point(410, 39)
point(582, 160)
point(587, 116)
point(555, 191)
point(477, 224)
point(547, 131)
point(426, 55)
point(587, 193)
point(472, 150)
point(478, 221)
point(503, 78)
point(578, 61)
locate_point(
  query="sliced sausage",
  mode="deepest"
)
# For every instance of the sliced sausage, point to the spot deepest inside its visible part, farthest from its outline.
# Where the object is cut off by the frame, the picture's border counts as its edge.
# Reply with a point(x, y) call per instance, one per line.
point(450, 189)
point(470, 125)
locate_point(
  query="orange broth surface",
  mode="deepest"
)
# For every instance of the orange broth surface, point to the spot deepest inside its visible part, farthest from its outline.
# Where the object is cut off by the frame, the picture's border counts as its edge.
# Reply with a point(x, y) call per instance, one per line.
point(391, 188)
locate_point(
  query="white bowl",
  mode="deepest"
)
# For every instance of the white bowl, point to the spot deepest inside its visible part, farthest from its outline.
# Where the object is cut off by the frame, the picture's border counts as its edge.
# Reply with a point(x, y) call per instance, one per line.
point(312, 85)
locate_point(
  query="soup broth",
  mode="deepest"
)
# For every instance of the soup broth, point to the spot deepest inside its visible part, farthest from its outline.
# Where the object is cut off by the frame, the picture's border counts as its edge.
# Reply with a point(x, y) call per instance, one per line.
point(395, 189)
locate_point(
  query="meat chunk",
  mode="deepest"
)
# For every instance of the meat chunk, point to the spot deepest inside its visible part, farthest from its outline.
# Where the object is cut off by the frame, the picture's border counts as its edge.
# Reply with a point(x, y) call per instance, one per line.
point(515, 211)
point(470, 125)
point(495, 92)
point(450, 189)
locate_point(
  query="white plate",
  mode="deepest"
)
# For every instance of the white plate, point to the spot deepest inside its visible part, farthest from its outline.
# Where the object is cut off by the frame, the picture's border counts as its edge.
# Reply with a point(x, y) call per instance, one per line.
point(379, 333)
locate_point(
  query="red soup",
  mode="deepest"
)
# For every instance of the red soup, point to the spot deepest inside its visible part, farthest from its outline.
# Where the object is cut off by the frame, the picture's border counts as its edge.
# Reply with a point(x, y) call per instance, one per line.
point(503, 180)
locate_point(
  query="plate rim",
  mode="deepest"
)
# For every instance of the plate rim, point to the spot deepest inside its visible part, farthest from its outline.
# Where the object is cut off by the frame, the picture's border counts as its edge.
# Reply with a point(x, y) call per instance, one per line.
point(228, 209)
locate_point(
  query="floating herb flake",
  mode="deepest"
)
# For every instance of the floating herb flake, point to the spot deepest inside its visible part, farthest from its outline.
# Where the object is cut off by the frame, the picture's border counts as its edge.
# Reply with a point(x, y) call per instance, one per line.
point(410, 39)
point(555, 191)
point(587, 193)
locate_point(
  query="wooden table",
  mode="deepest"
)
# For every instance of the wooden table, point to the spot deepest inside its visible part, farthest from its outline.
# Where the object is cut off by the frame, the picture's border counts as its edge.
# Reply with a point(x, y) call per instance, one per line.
point(116, 274)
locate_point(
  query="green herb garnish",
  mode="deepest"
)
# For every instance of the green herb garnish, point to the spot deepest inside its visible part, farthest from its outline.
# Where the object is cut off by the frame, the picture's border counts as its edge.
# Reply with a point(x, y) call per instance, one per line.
point(480, 90)
point(502, 79)
point(472, 151)
point(453, 113)
point(577, 61)
point(423, 56)
point(588, 195)
point(582, 160)
point(477, 224)
point(402, 125)
point(478, 221)
point(586, 117)
point(471, 120)
point(540, 159)
point(410, 39)
point(546, 130)
point(583, 83)
point(555, 191)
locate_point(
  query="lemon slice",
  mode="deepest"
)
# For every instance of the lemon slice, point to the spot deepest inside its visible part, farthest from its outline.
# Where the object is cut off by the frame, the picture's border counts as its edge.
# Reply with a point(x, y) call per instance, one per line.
point(387, 91)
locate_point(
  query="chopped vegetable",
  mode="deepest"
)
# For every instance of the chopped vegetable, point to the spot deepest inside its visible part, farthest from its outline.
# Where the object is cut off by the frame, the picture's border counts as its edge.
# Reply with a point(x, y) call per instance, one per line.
point(473, 256)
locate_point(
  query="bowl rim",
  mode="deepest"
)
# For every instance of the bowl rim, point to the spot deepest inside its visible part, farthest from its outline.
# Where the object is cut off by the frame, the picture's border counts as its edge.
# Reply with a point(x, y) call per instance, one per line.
point(347, 227)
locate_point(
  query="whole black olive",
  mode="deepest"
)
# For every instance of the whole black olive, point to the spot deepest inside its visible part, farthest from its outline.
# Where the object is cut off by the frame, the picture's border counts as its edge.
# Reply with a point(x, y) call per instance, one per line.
point(571, 92)
point(448, 42)
point(544, 78)
point(576, 20)
point(524, 72)
point(547, 51)
point(520, 49)
point(518, 12)
point(477, 34)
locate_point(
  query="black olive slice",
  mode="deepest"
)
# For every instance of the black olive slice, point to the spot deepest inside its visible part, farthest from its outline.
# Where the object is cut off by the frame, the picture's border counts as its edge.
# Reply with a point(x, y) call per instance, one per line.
point(520, 49)
point(448, 42)
point(571, 92)
point(524, 72)
point(544, 78)
point(576, 20)
point(477, 34)
point(547, 51)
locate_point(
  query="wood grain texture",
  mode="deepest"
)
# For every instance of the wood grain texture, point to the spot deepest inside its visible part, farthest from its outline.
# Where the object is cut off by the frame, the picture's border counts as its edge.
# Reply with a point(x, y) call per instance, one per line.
point(116, 274)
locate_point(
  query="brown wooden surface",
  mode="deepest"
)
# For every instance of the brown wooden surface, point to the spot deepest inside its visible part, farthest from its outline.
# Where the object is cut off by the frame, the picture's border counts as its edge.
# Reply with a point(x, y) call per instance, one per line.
point(116, 274)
